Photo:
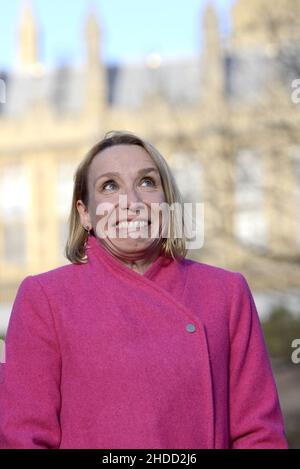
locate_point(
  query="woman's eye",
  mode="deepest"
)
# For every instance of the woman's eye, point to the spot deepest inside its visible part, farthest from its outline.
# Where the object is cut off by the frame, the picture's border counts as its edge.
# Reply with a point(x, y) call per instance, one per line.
point(109, 185)
point(152, 183)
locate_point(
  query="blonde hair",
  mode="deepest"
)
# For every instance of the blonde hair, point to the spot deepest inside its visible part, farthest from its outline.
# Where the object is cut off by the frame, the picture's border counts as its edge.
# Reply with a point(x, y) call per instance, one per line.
point(174, 247)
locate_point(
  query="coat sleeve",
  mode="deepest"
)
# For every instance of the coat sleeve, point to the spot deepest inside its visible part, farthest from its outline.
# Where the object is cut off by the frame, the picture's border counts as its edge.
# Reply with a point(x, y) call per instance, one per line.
point(30, 375)
point(256, 420)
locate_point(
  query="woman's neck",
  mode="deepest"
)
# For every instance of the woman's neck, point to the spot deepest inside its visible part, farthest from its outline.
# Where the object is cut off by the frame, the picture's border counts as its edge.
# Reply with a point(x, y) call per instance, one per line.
point(138, 264)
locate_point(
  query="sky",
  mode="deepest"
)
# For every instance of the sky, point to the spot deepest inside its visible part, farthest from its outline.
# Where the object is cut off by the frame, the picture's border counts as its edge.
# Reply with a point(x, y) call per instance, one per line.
point(131, 29)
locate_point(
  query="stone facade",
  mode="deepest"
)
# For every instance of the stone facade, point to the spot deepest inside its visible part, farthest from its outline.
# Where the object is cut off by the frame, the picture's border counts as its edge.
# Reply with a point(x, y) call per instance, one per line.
point(225, 122)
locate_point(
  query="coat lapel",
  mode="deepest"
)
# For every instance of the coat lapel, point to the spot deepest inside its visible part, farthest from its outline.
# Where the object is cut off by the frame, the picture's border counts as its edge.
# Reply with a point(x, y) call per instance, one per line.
point(165, 281)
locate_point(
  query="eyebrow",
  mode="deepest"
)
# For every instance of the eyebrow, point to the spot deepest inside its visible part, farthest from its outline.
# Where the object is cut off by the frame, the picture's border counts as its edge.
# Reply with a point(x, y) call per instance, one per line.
point(116, 174)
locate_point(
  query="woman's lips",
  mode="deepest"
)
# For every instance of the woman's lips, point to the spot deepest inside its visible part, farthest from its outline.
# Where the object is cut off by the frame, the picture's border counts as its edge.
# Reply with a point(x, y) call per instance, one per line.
point(133, 224)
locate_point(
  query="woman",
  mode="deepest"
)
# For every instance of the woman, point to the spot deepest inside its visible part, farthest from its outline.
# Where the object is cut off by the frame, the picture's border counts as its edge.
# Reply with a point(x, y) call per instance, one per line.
point(132, 345)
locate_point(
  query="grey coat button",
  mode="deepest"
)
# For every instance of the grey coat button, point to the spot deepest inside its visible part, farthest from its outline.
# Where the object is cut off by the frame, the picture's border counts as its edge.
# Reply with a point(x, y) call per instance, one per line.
point(190, 327)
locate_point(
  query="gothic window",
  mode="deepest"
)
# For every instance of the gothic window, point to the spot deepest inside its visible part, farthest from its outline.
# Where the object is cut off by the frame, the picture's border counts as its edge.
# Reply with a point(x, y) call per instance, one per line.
point(65, 173)
point(249, 217)
point(295, 152)
point(14, 205)
point(187, 170)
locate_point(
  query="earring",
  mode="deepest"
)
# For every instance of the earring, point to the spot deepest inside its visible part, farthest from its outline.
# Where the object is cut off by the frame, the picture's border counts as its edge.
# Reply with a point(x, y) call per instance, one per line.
point(87, 228)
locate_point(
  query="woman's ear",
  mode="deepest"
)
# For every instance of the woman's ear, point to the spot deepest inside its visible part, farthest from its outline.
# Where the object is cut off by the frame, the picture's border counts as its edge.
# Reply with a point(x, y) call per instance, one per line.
point(83, 213)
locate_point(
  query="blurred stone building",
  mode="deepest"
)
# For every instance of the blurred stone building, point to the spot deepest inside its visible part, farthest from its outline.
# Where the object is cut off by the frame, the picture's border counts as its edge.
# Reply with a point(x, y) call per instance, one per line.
point(225, 121)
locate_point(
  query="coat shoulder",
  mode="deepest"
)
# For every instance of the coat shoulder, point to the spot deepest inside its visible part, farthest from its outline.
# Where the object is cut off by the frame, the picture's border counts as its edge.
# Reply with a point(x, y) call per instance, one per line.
point(222, 281)
point(59, 275)
point(212, 272)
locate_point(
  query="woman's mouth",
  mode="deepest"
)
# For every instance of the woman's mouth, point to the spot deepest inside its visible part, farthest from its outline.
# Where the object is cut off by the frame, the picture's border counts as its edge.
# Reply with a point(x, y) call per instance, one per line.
point(133, 224)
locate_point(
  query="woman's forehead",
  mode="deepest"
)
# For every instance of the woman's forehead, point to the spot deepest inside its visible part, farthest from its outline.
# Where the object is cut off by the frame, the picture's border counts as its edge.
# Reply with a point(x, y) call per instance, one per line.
point(121, 156)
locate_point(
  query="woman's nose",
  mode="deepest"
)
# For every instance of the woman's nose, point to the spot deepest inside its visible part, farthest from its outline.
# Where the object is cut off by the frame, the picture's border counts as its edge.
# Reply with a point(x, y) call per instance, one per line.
point(133, 200)
point(132, 195)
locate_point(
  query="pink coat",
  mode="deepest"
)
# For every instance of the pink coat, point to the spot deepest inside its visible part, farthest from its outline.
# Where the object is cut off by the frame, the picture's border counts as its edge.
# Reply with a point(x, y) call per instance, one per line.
point(100, 356)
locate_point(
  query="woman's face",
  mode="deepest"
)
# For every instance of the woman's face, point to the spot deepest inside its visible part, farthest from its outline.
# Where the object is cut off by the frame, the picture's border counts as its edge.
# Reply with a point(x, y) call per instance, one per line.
point(123, 183)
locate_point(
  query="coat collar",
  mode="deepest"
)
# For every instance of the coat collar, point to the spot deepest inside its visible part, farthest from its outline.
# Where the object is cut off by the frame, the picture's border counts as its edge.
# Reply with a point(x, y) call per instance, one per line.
point(96, 252)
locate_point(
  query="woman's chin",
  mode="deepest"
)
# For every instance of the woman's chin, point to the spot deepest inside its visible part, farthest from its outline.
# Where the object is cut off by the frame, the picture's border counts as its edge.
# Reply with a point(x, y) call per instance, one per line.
point(131, 245)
